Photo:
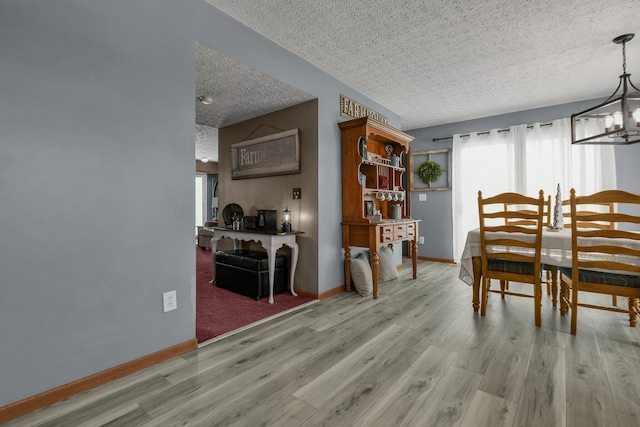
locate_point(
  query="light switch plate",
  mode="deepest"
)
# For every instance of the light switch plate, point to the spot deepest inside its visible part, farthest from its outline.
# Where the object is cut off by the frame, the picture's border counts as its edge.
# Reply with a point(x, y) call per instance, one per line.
point(422, 197)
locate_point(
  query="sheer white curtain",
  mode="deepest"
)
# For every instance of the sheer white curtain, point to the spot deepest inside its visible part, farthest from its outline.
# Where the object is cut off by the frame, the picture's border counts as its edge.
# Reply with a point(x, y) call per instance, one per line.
point(525, 160)
point(481, 161)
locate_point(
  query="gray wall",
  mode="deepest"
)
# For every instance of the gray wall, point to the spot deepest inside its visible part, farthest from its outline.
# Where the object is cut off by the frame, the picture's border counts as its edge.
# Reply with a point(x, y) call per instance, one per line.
point(97, 130)
point(435, 213)
point(96, 187)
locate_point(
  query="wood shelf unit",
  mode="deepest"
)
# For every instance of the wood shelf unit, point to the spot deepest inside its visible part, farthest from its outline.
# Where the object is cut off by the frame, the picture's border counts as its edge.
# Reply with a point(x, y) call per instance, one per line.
point(371, 174)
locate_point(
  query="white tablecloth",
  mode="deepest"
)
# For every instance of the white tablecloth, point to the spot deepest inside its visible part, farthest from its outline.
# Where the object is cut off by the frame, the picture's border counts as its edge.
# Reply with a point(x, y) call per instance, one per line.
point(556, 250)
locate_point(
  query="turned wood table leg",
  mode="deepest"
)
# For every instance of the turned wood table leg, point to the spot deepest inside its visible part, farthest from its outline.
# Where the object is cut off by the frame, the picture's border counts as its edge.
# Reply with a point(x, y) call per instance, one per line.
point(564, 298)
point(347, 269)
point(414, 258)
point(477, 274)
point(375, 263)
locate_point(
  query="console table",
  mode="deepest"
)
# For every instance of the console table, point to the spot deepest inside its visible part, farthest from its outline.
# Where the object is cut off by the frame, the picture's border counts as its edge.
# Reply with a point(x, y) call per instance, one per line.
point(271, 240)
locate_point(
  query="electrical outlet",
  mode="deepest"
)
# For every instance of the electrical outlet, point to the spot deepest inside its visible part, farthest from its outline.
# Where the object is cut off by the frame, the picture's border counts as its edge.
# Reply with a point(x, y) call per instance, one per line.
point(169, 300)
point(297, 193)
point(421, 240)
point(422, 197)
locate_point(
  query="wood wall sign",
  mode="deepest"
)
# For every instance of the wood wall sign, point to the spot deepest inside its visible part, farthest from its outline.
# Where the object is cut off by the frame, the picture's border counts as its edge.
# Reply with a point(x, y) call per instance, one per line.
point(353, 110)
point(277, 154)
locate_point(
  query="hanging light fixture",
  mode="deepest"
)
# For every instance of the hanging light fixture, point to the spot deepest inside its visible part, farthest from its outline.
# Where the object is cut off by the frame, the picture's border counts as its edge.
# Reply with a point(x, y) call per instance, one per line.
point(616, 120)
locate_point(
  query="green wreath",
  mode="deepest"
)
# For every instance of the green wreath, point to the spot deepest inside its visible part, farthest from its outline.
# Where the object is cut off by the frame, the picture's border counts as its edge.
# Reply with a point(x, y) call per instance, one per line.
point(429, 172)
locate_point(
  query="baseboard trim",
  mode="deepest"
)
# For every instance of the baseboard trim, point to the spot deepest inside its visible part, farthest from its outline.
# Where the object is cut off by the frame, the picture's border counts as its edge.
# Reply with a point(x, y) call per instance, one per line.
point(30, 404)
point(307, 294)
point(426, 258)
point(331, 292)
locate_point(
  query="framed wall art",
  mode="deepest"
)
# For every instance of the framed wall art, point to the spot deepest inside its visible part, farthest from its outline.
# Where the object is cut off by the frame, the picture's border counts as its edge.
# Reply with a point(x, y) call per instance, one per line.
point(430, 170)
point(368, 207)
point(277, 154)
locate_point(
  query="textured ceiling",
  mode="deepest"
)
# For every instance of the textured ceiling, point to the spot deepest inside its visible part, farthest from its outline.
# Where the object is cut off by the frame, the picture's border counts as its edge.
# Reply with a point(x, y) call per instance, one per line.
point(239, 93)
point(443, 61)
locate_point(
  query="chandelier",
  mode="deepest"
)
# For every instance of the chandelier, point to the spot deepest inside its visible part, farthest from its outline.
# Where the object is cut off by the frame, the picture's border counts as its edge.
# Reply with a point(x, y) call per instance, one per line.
point(616, 120)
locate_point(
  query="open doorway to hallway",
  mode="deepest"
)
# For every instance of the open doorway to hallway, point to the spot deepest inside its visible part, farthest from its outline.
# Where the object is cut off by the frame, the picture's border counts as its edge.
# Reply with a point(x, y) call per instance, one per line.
point(229, 93)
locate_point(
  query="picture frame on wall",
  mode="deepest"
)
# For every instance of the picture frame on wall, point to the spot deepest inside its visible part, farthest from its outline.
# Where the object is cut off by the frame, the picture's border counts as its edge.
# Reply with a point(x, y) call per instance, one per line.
point(276, 154)
point(443, 158)
point(369, 207)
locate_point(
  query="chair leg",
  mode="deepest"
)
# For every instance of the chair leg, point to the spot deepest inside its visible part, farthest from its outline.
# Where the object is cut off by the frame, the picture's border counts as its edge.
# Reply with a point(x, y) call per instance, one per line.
point(503, 284)
point(574, 309)
point(549, 283)
point(554, 285)
point(614, 300)
point(537, 298)
point(633, 303)
point(485, 292)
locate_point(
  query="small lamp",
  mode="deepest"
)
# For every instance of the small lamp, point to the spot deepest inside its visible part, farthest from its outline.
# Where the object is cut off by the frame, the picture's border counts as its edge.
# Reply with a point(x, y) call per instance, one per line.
point(286, 220)
point(214, 208)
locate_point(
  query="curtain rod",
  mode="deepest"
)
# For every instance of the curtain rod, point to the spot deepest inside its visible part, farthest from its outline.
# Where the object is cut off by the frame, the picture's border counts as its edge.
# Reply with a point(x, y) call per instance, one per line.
point(487, 132)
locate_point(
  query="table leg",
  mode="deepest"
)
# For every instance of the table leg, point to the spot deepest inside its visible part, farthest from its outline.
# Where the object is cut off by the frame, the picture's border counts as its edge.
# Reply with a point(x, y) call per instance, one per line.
point(477, 274)
point(347, 269)
point(414, 258)
point(271, 259)
point(375, 263)
point(214, 249)
point(294, 262)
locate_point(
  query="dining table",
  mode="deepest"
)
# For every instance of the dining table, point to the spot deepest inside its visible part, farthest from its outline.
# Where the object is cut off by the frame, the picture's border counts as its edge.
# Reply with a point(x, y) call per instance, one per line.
point(555, 252)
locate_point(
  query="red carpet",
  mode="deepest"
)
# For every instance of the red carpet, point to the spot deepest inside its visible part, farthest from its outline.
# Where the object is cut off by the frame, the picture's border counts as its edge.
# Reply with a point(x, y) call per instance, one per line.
point(219, 311)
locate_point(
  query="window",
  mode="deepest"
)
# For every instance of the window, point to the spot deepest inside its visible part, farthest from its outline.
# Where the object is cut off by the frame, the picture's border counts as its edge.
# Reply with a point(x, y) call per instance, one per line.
point(524, 159)
point(201, 199)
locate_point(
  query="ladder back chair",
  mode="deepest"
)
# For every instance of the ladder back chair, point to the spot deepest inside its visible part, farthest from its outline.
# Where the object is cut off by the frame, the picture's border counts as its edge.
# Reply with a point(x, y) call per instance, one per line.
point(600, 225)
point(510, 242)
point(604, 260)
point(546, 221)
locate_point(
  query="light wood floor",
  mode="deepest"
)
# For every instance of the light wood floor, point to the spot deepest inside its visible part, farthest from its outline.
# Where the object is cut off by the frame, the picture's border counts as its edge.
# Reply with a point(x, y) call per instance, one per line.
point(417, 356)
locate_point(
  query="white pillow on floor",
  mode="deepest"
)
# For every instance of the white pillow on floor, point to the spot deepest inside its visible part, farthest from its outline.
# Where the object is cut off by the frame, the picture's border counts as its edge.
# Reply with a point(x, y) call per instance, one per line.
point(386, 265)
point(361, 275)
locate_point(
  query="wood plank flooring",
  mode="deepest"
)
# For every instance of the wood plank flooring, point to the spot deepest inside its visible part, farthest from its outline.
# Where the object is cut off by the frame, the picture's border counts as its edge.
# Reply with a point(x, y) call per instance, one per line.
point(417, 356)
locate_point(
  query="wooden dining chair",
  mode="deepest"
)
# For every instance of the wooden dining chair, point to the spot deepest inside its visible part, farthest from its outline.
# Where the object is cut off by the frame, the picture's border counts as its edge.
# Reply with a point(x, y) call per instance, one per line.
point(600, 225)
point(586, 210)
point(545, 222)
point(510, 251)
point(546, 215)
point(604, 260)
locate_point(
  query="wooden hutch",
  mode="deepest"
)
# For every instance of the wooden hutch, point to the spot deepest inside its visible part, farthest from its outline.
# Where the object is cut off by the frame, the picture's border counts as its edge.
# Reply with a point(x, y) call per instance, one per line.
point(372, 172)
